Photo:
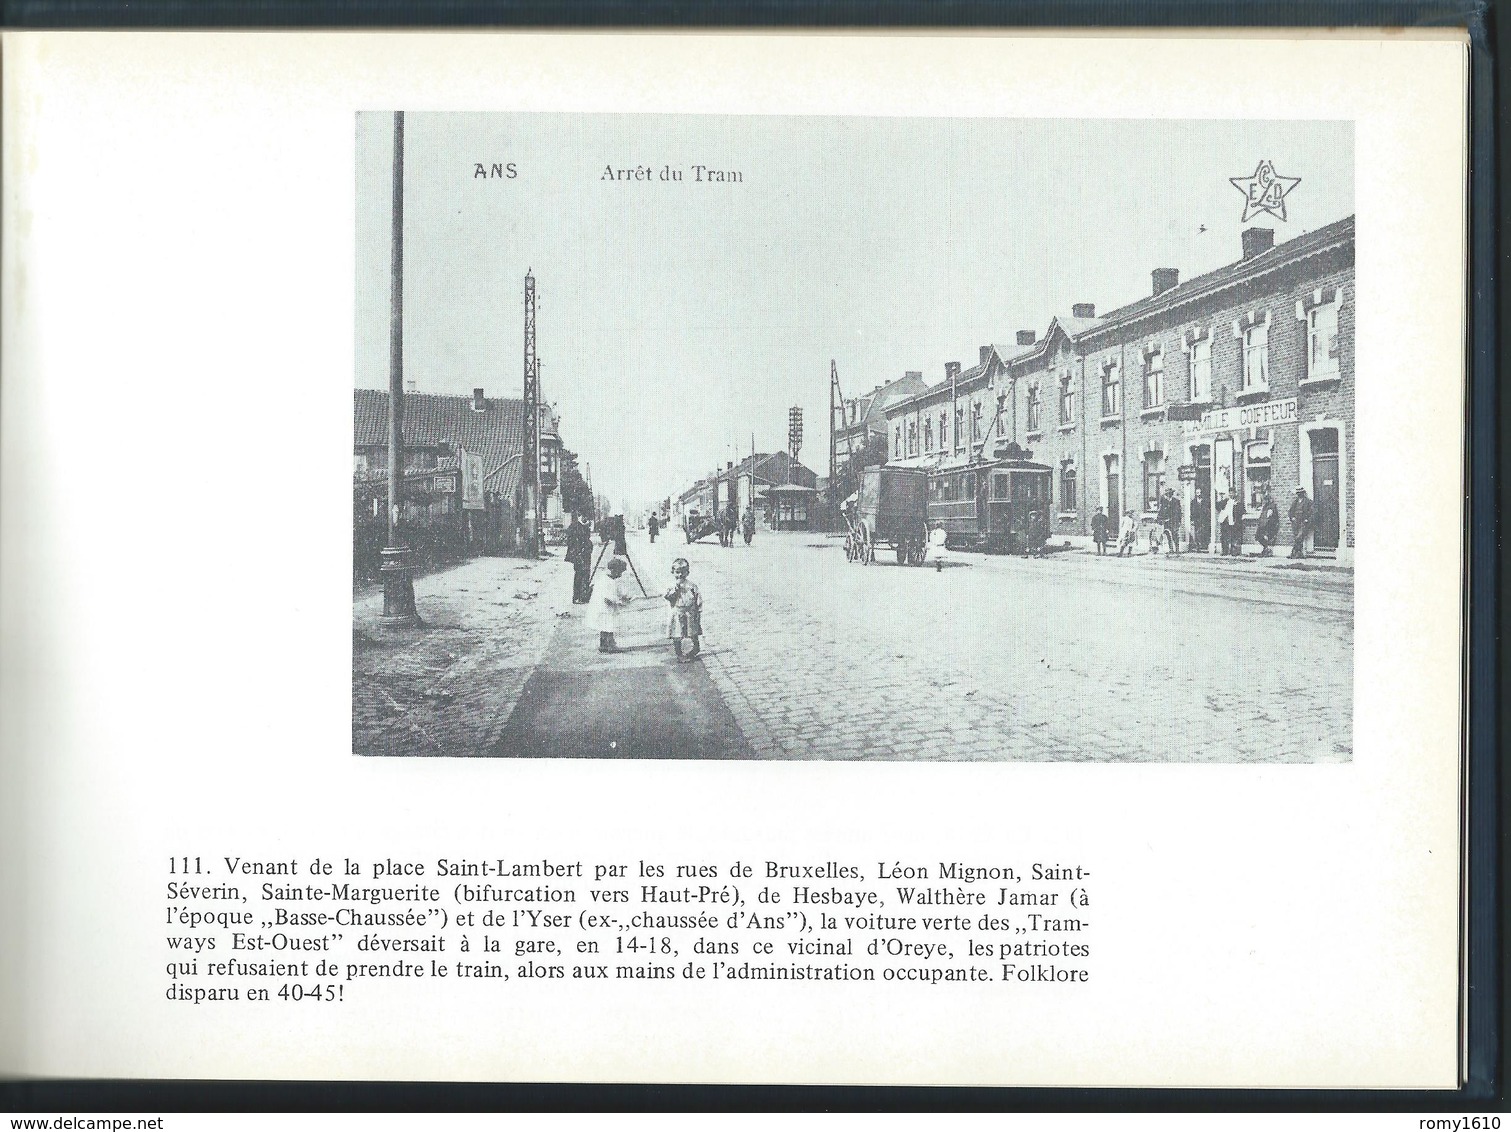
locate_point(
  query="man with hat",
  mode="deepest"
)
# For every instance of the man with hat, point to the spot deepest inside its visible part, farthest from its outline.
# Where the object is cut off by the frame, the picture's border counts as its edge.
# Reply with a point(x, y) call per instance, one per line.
point(1301, 514)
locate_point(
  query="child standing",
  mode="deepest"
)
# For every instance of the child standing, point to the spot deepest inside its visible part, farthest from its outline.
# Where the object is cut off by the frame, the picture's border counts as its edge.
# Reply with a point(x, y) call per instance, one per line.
point(1128, 534)
point(687, 610)
point(604, 606)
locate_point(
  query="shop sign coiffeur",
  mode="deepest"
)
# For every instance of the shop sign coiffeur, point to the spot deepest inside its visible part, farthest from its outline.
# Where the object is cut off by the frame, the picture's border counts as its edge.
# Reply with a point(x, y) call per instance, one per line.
point(1246, 416)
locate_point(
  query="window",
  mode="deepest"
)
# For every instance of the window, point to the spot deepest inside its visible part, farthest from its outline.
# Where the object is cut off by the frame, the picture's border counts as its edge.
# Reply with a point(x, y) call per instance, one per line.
point(970, 486)
point(1154, 478)
point(1067, 399)
point(928, 434)
point(1000, 487)
point(944, 431)
point(1201, 370)
point(1033, 408)
point(975, 421)
point(1256, 358)
point(359, 462)
point(1068, 488)
point(1001, 414)
point(1154, 378)
point(1112, 390)
point(1256, 471)
point(959, 427)
point(1322, 341)
point(912, 438)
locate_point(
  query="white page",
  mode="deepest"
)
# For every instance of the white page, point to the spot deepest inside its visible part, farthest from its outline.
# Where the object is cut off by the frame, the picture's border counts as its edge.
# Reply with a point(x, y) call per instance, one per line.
point(179, 264)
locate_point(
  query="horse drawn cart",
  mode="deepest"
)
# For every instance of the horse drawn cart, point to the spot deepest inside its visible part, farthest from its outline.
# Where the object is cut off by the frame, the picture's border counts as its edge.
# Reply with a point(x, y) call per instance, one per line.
point(889, 509)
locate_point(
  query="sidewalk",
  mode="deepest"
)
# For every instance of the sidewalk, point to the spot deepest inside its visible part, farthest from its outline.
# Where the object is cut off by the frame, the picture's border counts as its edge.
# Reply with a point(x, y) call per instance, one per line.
point(450, 688)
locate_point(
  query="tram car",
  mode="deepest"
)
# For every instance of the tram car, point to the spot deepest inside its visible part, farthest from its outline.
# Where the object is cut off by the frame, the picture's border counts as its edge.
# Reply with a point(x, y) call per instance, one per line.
point(1000, 506)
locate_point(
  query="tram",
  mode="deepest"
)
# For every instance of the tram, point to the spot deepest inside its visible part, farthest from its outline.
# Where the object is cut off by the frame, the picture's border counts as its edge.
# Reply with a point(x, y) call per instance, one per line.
point(1000, 506)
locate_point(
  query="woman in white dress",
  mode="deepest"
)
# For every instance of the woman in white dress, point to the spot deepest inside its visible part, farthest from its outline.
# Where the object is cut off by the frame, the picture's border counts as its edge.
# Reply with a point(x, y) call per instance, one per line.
point(939, 550)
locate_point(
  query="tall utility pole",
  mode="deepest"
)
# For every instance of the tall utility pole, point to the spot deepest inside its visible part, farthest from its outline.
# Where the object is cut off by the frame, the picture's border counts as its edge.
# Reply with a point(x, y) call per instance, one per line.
point(794, 437)
point(530, 473)
point(398, 583)
point(837, 405)
point(540, 495)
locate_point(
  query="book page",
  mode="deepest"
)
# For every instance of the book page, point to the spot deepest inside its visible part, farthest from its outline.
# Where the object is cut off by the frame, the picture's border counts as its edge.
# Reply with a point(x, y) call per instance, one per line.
point(872, 559)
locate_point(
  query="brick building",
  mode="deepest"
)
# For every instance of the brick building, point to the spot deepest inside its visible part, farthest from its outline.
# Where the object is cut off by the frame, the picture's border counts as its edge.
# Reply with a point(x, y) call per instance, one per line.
point(1241, 379)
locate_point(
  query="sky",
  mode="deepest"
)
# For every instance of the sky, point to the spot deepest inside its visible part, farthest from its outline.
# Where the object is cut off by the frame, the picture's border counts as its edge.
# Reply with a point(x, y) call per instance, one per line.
point(678, 320)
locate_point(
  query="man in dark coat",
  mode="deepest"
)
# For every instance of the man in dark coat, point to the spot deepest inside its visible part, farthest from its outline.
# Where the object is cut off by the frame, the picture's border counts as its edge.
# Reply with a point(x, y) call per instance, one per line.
point(580, 555)
point(1301, 514)
point(1099, 530)
point(1269, 523)
point(653, 525)
point(1170, 517)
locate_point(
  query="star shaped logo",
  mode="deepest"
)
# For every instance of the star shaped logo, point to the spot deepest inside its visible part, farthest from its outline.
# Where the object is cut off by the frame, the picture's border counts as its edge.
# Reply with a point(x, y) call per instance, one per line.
point(1265, 191)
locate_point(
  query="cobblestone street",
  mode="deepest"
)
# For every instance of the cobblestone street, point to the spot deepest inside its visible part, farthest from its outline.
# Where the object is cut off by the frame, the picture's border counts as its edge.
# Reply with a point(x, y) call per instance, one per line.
point(1069, 657)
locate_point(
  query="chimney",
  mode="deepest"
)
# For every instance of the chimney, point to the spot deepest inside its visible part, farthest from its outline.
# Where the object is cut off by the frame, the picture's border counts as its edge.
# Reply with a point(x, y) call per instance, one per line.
point(986, 355)
point(951, 370)
point(1164, 279)
point(1084, 310)
point(1256, 241)
point(911, 373)
point(729, 465)
point(478, 404)
point(1026, 337)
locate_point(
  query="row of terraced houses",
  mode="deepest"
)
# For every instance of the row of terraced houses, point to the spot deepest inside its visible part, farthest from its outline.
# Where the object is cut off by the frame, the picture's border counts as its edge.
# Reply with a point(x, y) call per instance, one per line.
point(1237, 381)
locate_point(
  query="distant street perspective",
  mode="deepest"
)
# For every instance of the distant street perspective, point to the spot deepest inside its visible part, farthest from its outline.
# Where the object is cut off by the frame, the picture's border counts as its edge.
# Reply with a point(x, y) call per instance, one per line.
point(1067, 657)
point(708, 456)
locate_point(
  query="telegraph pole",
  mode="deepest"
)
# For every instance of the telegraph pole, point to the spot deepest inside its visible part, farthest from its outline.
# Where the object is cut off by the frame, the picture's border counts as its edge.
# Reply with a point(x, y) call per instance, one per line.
point(398, 582)
point(794, 437)
point(530, 477)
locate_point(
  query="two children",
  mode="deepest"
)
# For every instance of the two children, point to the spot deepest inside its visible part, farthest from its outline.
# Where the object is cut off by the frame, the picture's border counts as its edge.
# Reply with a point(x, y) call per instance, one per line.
point(612, 595)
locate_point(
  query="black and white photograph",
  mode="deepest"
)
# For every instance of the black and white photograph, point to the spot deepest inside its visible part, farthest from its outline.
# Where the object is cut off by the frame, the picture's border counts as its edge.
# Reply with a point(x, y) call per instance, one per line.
point(701, 436)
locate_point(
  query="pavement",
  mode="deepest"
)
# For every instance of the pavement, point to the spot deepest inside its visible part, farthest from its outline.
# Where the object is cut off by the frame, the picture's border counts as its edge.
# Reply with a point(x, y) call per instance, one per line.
point(1070, 657)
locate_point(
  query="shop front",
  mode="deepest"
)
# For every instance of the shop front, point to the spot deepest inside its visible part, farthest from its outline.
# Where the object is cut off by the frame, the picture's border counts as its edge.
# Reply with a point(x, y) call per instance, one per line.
point(1230, 456)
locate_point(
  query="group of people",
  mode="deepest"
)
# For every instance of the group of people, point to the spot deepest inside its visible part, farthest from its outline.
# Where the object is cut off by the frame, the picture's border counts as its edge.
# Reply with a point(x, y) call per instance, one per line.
point(606, 599)
point(729, 522)
point(1230, 517)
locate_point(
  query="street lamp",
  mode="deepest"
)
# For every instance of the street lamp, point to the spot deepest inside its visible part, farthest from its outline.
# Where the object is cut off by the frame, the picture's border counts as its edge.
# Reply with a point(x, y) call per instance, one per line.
point(398, 580)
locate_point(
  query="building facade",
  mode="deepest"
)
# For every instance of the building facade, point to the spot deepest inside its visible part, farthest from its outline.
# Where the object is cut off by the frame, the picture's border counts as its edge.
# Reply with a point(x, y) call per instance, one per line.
point(1240, 381)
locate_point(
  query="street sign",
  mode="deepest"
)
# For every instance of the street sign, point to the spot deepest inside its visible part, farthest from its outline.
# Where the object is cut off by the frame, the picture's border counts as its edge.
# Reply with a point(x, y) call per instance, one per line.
point(472, 481)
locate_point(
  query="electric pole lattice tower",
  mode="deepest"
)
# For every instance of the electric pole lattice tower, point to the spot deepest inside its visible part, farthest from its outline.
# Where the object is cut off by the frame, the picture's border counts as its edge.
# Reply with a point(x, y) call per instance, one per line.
point(530, 473)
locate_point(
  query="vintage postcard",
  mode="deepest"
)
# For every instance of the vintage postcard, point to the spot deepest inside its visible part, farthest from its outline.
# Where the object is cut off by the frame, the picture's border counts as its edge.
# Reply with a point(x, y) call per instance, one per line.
point(854, 438)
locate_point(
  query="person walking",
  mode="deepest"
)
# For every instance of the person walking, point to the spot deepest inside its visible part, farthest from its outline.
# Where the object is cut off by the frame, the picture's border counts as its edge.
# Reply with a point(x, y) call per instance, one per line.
point(1301, 514)
point(1099, 531)
point(580, 555)
point(653, 525)
point(1170, 516)
point(608, 599)
point(728, 524)
point(1128, 535)
point(686, 622)
point(747, 524)
point(1269, 523)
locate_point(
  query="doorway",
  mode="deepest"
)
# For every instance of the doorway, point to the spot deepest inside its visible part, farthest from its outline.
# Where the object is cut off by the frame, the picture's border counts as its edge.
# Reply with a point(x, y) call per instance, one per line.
point(1201, 497)
point(1325, 488)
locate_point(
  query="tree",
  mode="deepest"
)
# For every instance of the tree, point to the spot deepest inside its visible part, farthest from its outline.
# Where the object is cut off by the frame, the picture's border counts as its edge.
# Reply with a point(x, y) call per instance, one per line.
point(847, 480)
point(576, 496)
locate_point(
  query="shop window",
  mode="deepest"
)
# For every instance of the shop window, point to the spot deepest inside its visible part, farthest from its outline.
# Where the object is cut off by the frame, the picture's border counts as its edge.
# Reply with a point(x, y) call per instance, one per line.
point(1033, 408)
point(1154, 378)
point(1201, 370)
point(1322, 341)
point(1067, 399)
point(1068, 488)
point(1256, 471)
point(1256, 358)
point(1154, 479)
point(1112, 390)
